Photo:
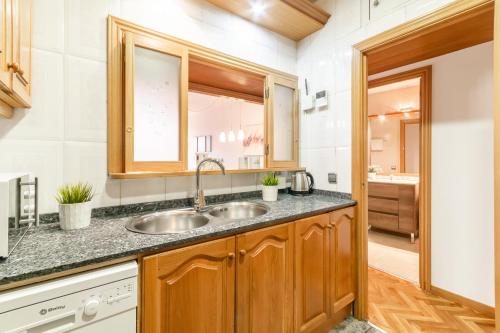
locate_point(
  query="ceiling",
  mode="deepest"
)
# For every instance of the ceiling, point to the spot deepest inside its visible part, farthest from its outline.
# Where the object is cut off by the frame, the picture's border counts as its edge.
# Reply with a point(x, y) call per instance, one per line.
point(395, 86)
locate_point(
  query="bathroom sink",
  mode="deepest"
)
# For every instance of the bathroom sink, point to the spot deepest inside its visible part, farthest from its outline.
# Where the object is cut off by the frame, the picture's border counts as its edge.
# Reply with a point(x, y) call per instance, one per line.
point(238, 210)
point(168, 222)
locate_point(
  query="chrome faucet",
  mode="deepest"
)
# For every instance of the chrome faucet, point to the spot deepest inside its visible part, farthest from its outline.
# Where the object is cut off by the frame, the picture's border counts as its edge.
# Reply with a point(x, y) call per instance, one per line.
point(199, 196)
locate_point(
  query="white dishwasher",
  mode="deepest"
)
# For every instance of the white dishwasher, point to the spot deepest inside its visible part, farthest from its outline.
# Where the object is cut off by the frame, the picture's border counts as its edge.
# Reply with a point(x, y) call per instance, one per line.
point(99, 301)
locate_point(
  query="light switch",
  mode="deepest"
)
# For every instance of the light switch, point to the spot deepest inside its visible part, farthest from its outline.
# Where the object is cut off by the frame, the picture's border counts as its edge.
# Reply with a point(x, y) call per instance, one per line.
point(332, 178)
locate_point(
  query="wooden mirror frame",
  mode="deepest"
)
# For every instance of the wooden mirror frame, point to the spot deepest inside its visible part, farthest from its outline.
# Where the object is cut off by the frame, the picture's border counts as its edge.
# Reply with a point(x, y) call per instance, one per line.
point(117, 143)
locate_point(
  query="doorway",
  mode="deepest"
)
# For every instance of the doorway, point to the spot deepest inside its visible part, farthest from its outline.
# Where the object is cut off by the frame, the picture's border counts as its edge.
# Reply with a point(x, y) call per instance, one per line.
point(452, 28)
point(398, 148)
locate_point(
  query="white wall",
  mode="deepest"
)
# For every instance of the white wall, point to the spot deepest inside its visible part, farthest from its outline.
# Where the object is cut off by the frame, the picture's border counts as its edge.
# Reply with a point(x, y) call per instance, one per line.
point(462, 171)
point(324, 58)
point(63, 137)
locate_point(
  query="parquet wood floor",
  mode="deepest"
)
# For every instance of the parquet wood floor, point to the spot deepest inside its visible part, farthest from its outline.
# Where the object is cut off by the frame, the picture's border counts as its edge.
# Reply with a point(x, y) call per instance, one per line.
point(398, 306)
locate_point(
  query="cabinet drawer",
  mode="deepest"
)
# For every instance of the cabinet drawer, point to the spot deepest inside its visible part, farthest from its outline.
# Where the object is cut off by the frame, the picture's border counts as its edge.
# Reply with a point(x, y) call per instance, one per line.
point(383, 190)
point(383, 221)
point(383, 205)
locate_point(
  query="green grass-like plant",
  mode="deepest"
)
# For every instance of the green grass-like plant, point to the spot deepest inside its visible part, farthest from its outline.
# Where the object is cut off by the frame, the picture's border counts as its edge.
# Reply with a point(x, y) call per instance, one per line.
point(270, 180)
point(74, 193)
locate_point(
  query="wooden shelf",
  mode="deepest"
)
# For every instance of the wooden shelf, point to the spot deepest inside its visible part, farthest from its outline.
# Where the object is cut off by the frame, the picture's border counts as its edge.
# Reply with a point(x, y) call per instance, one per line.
point(147, 174)
point(294, 19)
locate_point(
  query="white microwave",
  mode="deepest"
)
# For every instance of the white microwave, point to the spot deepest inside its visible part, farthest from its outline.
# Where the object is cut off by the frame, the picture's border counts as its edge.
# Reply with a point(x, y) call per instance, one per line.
point(18, 209)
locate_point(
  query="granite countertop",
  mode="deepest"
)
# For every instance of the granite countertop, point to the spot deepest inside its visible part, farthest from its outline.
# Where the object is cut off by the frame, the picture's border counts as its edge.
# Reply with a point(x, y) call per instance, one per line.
point(48, 249)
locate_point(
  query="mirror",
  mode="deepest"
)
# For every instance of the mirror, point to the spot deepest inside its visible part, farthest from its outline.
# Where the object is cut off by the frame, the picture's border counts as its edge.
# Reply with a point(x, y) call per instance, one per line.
point(235, 128)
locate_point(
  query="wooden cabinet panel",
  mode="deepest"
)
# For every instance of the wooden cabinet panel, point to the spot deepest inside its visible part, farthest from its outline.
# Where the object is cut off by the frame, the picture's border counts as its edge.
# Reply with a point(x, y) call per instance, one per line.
point(190, 289)
point(343, 256)
point(5, 44)
point(383, 190)
point(383, 221)
point(312, 273)
point(21, 50)
point(383, 205)
point(264, 300)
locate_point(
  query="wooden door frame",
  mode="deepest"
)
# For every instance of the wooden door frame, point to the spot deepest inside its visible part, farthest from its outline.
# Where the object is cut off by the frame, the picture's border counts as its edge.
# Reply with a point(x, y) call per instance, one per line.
point(457, 10)
point(425, 102)
point(402, 141)
point(496, 150)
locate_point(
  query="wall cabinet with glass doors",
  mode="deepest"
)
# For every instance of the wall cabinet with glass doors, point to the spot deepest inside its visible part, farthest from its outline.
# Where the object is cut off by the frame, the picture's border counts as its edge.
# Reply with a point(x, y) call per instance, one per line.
point(172, 103)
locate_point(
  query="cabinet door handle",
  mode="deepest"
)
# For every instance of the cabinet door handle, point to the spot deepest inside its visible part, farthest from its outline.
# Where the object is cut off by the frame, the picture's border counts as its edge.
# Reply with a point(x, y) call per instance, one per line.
point(230, 255)
point(243, 252)
point(329, 226)
point(14, 66)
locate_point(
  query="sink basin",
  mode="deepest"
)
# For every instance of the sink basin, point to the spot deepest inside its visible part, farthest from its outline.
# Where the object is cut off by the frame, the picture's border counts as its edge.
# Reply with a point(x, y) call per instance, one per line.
point(167, 222)
point(238, 210)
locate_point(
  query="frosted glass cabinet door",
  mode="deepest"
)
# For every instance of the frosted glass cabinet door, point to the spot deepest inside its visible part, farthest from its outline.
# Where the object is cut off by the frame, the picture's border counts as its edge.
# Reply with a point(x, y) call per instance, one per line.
point(283, 129)
point(155, 107)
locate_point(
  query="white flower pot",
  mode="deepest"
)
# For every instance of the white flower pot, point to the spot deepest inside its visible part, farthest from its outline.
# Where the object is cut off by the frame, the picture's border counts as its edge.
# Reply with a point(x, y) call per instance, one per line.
point(372, 175)
point(75, 216)
point(270, 193)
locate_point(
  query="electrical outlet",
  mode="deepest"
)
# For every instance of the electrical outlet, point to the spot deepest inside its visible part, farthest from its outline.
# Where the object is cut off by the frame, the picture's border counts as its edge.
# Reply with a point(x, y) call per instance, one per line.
point(332, 178)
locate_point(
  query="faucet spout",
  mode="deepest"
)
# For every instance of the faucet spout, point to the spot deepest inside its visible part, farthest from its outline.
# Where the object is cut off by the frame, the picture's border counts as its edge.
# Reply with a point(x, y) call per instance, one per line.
point(199, 196)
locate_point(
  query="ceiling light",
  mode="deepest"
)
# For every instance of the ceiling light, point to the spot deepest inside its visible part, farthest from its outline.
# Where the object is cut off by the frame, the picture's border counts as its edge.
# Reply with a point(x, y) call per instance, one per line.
point(257, 8)
point(381, 117)
point(230, 136)
point(406, 109)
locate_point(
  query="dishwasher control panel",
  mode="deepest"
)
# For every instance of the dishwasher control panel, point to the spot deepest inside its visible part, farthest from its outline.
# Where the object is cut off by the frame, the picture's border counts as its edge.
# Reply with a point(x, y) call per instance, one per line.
point(73, 310)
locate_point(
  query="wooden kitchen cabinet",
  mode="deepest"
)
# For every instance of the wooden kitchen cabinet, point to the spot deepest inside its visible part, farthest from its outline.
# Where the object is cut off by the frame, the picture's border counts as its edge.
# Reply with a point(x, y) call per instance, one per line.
point(15, 55)
point(190, 289)
point(342, 238)
point(294, 277)
point(312, 274)
point(264, 298)
point(21, 51)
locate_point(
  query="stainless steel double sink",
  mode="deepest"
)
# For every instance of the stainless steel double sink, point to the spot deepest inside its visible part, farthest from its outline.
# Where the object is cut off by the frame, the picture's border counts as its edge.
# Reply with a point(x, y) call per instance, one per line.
point(181, 220)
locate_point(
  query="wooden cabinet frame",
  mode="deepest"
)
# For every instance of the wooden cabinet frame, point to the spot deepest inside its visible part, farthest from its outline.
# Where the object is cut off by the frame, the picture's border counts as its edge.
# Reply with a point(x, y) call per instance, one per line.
point(120, 161)
point(270, 151)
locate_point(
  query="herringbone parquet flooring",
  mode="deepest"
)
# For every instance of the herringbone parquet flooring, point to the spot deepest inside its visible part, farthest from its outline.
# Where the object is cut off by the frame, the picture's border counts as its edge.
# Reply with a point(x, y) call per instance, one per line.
point(398, 306)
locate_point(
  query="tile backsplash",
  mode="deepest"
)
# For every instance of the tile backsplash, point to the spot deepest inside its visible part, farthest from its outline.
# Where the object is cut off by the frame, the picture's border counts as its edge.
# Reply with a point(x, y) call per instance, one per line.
point(62, 138)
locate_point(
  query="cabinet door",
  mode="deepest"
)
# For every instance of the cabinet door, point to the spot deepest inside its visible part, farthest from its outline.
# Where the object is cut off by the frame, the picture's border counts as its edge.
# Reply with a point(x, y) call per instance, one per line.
point(190, 290)
point(21, 51)
point(342, 256)
point(5, 44)
point(282, 118)
point(312, 274)
point(264, 300)
point(156, 83)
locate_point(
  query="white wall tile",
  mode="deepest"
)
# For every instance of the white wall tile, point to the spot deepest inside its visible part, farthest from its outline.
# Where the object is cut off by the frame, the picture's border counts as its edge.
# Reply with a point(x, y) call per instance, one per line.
point(343, 168)
point(347, 17)
point(179, 187)
point(243, 182)
point(216, 184)
point(44, 121)
point(86, 26)
point(85, 92)
point(86, 162)
point(418, 8)
point(48, 25)
point(43, 159)
point(142, 190)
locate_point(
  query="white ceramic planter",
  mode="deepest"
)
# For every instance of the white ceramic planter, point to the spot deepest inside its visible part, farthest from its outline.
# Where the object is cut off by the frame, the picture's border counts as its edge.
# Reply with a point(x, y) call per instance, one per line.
point(372, 175)
point(270, 193)
point(75, 216)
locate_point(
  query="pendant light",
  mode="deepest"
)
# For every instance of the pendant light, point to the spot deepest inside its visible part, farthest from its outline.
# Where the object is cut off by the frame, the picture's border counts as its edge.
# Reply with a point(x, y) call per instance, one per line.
point(241, 134)
point(230, 136)
point(222, 134)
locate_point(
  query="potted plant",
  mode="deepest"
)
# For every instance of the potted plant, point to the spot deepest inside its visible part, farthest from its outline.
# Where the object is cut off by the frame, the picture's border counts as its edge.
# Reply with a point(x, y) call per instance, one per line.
point(74, 205)
point(372, 172)
point(270, 187)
